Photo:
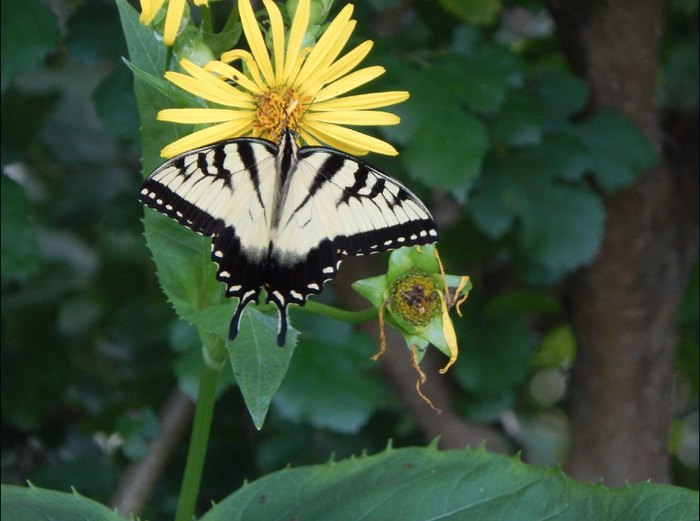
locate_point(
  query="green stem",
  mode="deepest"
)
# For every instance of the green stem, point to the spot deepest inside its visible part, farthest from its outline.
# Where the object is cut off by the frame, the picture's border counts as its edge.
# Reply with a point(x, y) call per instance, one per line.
point(340, 314)
point(168, 57)
point(204, 411)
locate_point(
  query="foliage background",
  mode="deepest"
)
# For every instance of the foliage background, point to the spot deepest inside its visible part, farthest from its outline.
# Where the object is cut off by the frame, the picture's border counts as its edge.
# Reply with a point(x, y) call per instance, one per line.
point(91, 352)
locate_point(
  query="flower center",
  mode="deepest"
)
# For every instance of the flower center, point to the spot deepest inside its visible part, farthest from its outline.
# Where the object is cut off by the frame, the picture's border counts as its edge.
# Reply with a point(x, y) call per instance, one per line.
point(414, 298)
point(278, 109)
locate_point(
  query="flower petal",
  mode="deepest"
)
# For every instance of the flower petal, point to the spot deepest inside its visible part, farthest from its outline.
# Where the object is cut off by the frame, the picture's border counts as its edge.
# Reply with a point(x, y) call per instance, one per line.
point(332, 142)
point(296, 36)
point(318, 76)
point(149, 10)
point(354, 117)
point(173, 18)
point(343, 138)
point(277, 28)
point(348, 62)
point(362, 101)
point(226, 94)
point(334, 32)
point(349, 82)
point(247, 58)
point(197, 116)
point(255, 40)
point(233, 74)
point(205, 137)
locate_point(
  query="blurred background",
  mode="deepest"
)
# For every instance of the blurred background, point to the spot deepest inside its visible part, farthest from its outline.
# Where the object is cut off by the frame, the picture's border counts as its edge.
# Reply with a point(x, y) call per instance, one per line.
point(557, 145)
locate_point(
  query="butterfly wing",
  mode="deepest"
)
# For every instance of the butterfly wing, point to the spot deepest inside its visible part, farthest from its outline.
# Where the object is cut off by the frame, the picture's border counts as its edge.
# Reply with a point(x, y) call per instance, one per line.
point(225, 191)
point(339, 205)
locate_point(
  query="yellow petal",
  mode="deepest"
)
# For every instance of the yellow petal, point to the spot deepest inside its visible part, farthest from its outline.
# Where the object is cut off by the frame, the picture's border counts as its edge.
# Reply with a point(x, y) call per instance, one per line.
point(176, 8)
point(448, 331)
point(362, 101)
point(197, 116)
point(349, 82)
point(332, 142)
point(296, 36)
point(255, 40)
point(233, 74)
point(277, 28)
point(247, 58)
point(334, 135)
point(354, 117)
point(334, 31)
point(317, 76)
point(149, 9)
point(201, 2)
point(348, 62)
point(217, 87)
point(205, 137)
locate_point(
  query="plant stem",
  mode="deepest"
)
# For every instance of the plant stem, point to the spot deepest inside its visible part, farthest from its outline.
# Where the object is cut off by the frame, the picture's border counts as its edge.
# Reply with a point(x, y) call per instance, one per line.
point(204, 411)
point(340, 314)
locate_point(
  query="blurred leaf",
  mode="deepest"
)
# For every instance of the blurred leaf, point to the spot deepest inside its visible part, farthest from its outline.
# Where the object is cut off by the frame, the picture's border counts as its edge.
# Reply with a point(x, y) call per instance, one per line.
point(561, 226)
point(477, 12)
point(618, 149)
point(519, 120)
point(415, 484)
point(20, 253)
point(557, 349)
point(31, 503)
point(228, 37)
point(116, 106)
point(494, 352)
point(447, 152)
point(93, 33)
point(681, 76)
point(29, 30)
point(327, 371)
point(137, 428)
point(561, 95)
point(23, 115)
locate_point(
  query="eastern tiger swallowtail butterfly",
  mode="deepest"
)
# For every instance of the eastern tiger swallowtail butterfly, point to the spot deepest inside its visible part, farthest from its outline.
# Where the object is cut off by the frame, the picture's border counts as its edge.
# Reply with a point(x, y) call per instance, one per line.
point(280, 217)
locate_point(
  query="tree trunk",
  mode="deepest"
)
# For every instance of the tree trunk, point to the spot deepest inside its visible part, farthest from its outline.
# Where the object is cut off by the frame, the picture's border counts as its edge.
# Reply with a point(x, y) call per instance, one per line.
point(624, 307)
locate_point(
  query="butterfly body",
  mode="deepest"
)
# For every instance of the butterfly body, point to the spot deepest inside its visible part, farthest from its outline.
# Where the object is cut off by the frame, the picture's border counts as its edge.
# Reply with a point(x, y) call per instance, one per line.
point(280, 217)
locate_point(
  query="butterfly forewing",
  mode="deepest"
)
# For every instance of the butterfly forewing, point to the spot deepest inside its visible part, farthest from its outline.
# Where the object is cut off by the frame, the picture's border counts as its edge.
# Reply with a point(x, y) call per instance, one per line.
point(284, 231)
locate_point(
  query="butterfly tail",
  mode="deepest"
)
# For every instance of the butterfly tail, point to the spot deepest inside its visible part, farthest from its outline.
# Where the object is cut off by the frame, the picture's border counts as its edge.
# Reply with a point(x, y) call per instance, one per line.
point(236, 318)
point(282, 325)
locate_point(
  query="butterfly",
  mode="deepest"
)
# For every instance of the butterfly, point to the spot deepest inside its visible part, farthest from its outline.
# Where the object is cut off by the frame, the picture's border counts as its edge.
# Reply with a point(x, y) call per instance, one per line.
point(280, 217)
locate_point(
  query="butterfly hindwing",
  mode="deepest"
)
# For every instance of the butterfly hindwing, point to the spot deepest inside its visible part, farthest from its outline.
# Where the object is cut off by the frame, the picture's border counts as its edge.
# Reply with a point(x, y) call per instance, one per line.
point(281, 218)
point(218, 191)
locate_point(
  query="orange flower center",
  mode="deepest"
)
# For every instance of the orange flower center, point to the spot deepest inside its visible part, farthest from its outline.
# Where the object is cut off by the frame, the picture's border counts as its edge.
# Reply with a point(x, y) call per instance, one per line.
point(278, 110)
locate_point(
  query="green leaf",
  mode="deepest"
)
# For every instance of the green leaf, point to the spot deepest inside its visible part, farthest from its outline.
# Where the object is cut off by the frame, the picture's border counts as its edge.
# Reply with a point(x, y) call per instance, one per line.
point(618, 149)
point(494, 352)
point(31, 503)
point(29, 30)
point(328, 370)
point(561, 95)
point(20, 252)
point(116, 106)
point(416, 484)
point(476, 12)
point(93, 33)
point(519, 120)
point(447, 151)
point(561, 226)
point(259, 365)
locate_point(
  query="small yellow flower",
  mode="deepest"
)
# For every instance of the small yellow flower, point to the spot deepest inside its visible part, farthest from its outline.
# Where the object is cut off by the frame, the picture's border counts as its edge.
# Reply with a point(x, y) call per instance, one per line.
point(293, 87)
point(173, 16)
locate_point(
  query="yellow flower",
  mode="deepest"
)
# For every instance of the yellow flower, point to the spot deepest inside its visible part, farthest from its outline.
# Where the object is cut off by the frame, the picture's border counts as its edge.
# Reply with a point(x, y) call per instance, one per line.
point(293, 87)
point(173, 17)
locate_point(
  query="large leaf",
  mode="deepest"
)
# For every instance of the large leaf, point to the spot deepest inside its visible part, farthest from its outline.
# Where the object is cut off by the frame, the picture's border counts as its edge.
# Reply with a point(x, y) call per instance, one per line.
point(416, 484)
point(32, 503)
